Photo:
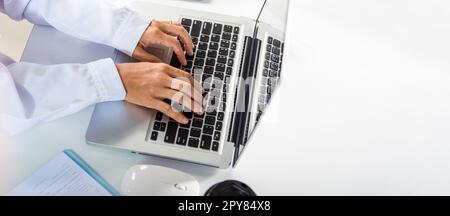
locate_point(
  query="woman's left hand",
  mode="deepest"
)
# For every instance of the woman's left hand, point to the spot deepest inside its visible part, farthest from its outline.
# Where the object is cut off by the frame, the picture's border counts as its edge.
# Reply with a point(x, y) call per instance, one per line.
point(167, 33)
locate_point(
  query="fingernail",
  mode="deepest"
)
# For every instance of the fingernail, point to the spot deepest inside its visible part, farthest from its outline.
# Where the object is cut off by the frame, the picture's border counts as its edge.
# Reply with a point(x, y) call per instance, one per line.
point(199, 110)
point(185, 121)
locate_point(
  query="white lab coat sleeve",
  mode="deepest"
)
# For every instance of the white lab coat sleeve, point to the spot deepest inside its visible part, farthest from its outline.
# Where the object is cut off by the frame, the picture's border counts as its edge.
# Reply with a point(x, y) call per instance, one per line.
point(98, 21)
point(33, 94)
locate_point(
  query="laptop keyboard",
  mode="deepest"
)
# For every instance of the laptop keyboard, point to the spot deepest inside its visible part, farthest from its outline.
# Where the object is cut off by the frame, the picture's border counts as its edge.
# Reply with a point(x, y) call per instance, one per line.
point(271, 73)
point(212, 66)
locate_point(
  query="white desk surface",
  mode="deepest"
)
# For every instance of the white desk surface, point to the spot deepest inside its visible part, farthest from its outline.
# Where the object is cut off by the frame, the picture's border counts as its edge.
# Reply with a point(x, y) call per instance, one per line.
point(364, 109)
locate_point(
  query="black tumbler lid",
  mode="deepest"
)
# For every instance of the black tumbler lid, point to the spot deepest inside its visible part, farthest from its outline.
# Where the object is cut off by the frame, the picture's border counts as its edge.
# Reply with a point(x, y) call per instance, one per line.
point(230, 188)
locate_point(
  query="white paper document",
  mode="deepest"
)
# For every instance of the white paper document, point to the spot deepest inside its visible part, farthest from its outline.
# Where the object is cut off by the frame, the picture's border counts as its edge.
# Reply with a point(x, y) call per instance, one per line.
point(63, 176)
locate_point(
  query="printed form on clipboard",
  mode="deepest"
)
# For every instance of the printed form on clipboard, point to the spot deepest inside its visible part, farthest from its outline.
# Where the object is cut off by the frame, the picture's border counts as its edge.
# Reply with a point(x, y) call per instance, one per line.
point(65, 175)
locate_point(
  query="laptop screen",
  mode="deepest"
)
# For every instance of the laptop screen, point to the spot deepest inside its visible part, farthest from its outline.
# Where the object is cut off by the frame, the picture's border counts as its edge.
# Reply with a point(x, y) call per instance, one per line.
point(268, 41)
point(274, 13)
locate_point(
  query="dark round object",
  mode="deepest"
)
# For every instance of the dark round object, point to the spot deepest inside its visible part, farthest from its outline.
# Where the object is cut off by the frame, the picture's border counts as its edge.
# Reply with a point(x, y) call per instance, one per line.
point(230, 188)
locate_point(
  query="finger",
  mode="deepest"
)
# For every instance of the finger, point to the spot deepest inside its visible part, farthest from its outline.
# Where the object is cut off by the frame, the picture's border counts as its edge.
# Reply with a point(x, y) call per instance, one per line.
point(183, 99)
point(184, 84)
point(179, 74)
point(172, 22)
point(141, 54)
point(169, 111)
point(180, 32)
point(176, 46)
point(185, 87)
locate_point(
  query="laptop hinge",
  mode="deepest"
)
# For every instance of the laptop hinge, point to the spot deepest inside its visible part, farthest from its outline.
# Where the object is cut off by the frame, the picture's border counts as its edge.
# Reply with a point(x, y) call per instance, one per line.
point(240, 119)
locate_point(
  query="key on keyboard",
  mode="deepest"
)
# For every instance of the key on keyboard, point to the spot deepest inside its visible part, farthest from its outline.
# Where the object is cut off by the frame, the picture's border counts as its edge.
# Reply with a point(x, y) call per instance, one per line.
point(271, 73)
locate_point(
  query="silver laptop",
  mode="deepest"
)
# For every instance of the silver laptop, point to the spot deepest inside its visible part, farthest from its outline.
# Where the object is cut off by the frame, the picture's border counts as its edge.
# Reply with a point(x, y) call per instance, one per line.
point(237, 60)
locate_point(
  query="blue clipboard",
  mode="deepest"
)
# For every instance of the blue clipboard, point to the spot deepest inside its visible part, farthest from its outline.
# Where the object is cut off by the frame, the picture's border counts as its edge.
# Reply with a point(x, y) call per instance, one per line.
point(81, 163)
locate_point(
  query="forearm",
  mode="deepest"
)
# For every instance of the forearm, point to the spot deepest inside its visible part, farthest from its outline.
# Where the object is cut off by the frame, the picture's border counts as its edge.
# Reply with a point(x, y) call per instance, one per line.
point(98, 21)
point(32, 94)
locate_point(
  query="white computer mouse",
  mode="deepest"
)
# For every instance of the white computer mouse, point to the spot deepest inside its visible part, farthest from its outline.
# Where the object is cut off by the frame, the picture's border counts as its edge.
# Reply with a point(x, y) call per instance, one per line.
point(151, 180)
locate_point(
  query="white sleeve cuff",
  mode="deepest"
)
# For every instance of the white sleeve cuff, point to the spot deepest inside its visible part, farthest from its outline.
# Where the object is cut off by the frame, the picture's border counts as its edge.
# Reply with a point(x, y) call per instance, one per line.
point(107, 81)
point(131, 31)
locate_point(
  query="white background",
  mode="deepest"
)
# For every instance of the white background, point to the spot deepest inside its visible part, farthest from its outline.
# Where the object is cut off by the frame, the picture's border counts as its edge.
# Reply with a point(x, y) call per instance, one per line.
point(364, 109)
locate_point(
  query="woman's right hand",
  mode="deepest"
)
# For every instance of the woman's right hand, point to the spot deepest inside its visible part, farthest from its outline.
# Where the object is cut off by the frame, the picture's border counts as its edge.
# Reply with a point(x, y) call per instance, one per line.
point(149, 84)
